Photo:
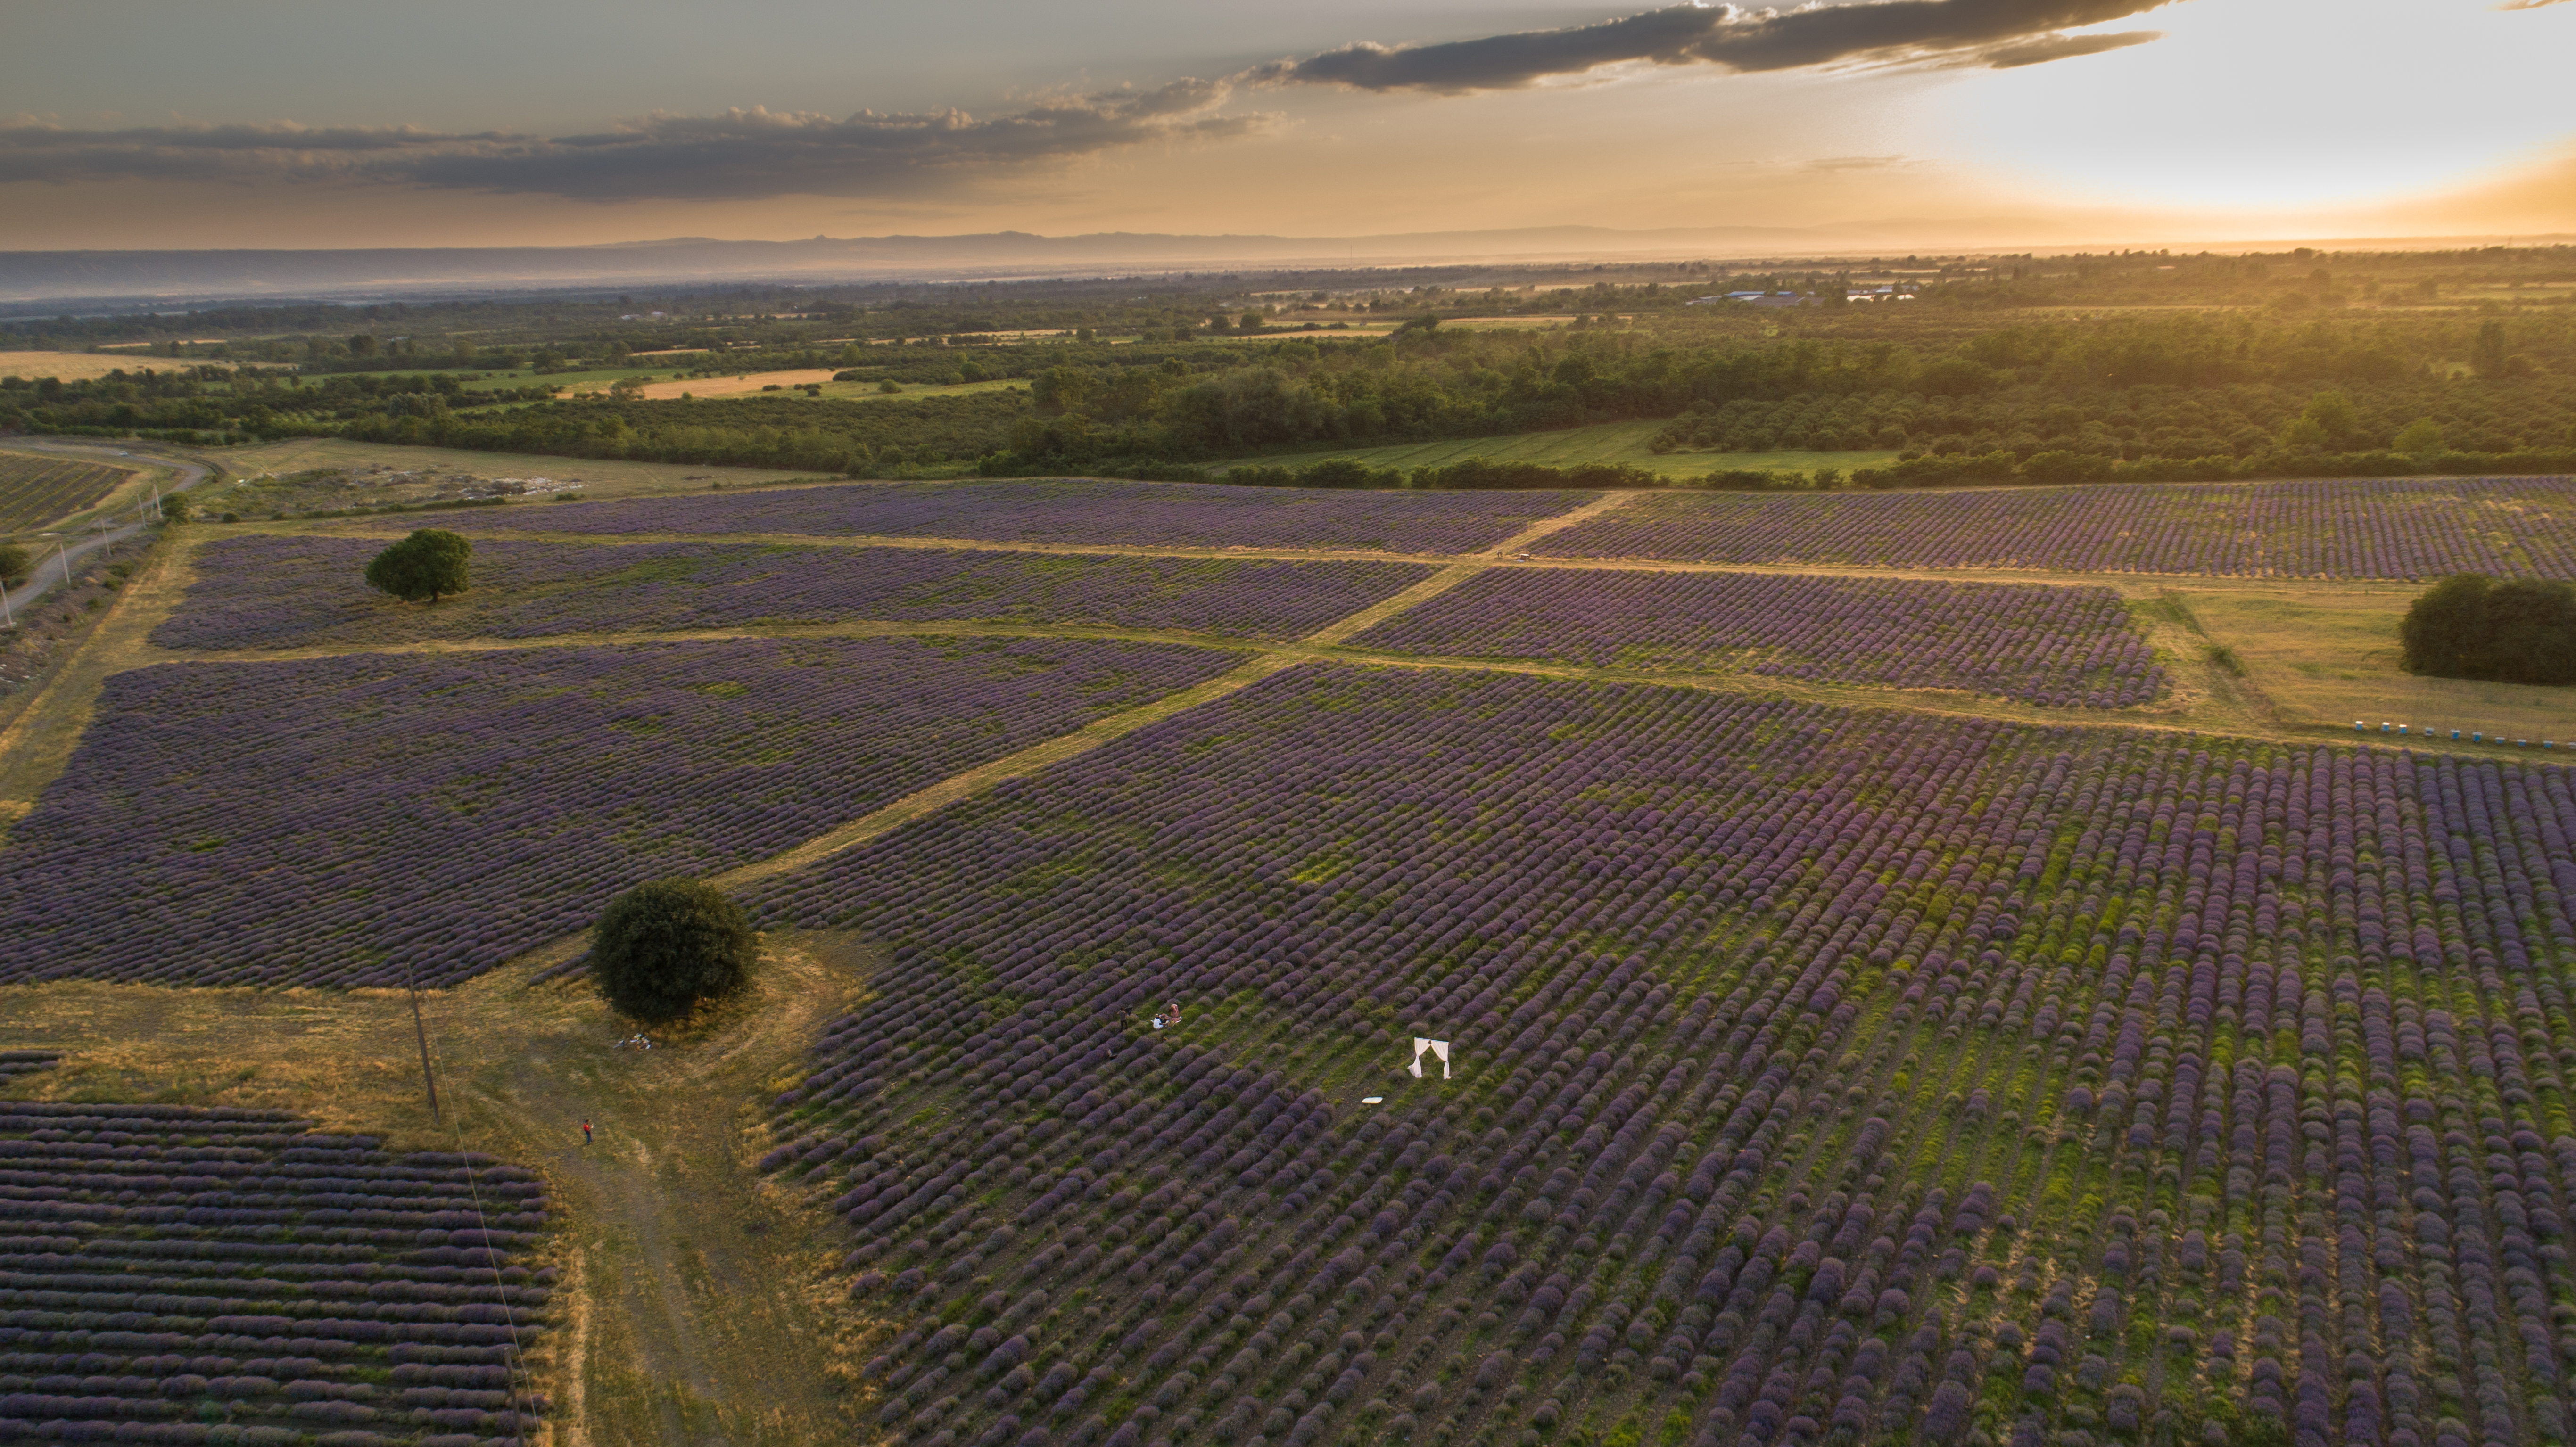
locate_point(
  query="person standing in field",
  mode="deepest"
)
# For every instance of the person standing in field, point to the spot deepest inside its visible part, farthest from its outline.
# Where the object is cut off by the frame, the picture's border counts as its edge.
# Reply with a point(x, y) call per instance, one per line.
point(585, 1132)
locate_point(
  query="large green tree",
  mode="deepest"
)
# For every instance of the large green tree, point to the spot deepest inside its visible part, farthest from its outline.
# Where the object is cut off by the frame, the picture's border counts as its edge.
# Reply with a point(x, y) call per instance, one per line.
point(429, 564)
point(2517, 630)
point(666, 944)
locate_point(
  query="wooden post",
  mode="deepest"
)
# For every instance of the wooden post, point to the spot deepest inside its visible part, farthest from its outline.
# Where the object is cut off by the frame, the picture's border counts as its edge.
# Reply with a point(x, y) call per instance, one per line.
point(421, 1031)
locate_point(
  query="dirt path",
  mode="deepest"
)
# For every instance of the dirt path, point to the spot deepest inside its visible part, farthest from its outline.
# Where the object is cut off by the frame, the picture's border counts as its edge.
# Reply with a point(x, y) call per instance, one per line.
point(984, 776)
point(2203, 698)
point(697, 1305)
point(1510, 553)
point(39, 741)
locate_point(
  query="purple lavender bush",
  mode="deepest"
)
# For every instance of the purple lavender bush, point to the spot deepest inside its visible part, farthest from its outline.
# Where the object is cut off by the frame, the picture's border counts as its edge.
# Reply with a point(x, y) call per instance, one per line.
point(2356, 528)
point(2069, 647)
point(1820, 1071)
point(283, 592)
point(164, 1269)
point(1075, 510)
point(346, 820)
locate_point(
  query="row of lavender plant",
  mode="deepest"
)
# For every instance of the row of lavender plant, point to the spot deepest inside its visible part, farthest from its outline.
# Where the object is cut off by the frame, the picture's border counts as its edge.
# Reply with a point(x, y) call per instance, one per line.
point(170, 1274)
point(2359, 528)
point(1823, 1076)
point(2069, 647)
point(284, 592)
point(1077, 510)
point(367, 819)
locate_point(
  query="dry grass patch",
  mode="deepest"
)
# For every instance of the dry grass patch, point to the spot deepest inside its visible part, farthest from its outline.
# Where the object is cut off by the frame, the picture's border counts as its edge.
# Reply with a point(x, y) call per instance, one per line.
point(699, 1301)
point(735, 386)
point(2325, 659)
point(81, 366)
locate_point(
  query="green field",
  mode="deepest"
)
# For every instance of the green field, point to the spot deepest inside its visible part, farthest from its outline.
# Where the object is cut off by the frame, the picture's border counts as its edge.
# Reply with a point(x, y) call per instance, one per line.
point(1608, 442)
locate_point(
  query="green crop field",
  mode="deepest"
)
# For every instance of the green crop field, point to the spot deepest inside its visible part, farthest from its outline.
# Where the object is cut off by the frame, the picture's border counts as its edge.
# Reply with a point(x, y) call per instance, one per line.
point(35, 490)
point(1608, 442)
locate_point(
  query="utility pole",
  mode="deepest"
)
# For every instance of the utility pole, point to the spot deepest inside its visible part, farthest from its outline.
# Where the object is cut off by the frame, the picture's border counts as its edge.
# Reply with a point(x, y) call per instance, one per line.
point(421, 1031)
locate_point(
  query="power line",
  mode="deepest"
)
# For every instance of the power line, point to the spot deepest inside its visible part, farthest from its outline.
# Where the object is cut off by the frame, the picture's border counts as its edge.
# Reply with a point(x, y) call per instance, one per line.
point(521, 1391)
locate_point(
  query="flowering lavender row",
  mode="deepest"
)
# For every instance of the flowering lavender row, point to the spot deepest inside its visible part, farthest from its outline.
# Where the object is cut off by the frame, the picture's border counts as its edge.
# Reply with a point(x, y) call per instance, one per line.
point(2363, 528)
point(2067, 647)
point(1077, 510)
point(1820, 1076)
point(345, 821)
point(283, 592)
point(170, 1274)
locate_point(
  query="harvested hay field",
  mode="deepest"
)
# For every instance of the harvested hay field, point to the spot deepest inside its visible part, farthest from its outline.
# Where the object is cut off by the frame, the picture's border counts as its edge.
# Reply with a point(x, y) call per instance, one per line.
point(80, 366)
point(735, 386)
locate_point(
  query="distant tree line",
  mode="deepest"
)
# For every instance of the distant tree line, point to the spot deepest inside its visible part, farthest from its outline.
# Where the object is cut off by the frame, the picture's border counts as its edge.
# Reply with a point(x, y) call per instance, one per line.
point(2195, 396)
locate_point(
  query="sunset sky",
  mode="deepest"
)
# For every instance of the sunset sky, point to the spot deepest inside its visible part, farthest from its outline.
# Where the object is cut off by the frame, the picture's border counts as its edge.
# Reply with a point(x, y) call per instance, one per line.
point(282, 123)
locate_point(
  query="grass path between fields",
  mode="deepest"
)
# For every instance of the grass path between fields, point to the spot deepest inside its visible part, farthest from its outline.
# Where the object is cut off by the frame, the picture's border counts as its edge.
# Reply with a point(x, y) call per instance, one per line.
point(698, 1303)
point(1510, 553)
point(39, 740)
point(2183, 616)
point(1117, 726)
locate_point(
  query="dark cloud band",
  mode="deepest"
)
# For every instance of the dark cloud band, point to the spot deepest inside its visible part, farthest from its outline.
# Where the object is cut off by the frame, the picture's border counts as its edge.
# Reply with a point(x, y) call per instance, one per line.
point(2000, 33)
point(754, 154)
point(734, 156)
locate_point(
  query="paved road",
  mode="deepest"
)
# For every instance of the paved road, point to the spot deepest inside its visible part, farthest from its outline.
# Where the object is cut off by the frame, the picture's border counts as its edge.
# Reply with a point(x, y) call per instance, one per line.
point(77, 548)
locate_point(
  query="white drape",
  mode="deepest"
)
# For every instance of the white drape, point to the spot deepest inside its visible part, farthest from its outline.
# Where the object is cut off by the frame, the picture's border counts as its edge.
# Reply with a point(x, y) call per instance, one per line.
point(1436, 1047)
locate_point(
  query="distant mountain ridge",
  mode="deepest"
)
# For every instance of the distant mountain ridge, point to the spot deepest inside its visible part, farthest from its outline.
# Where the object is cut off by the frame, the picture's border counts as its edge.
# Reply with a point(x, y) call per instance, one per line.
point(137, 277)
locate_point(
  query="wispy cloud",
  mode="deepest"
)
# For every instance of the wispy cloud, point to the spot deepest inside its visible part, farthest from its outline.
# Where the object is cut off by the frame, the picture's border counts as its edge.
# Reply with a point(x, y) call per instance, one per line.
point(1998, 33)
point(740, 154)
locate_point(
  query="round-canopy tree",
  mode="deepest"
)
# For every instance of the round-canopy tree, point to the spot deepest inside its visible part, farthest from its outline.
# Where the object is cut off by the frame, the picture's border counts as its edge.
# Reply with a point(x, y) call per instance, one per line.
point(666, 944)
point(2515, 630)
point(421, 567)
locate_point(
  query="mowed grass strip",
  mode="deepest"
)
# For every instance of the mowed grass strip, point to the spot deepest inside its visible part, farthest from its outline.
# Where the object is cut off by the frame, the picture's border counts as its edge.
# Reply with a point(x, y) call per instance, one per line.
point(1607, 442)
point(2328, 658)
point(35, 490)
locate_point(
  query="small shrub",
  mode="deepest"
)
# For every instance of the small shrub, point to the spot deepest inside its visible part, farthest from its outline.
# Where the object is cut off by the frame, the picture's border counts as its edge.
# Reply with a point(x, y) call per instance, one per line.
point(667, 944)
point(431, 562)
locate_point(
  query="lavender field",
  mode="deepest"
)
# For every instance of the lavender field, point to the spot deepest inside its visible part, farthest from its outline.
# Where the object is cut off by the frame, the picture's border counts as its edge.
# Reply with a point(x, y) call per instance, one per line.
point(347, 820)
point(1821, 1076)
point(1078, 510)
point(2362, 528)
point(2067, 647)
point(284, 592)
point(170, 1274)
